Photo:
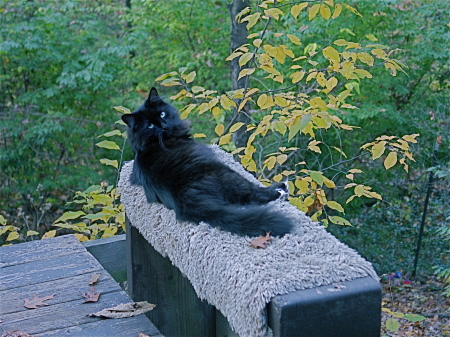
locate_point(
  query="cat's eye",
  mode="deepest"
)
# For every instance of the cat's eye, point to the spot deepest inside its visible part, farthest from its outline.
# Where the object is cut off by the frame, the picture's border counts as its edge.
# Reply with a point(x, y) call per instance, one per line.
point(163, 114)
point(151, 126)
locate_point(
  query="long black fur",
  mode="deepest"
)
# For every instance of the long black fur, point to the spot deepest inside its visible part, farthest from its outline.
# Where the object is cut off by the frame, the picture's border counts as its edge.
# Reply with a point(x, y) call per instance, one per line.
point(187, 177)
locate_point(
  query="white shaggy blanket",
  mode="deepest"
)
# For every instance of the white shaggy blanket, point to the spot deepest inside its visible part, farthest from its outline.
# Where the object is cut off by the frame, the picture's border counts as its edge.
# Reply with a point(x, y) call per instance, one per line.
point(231, 275)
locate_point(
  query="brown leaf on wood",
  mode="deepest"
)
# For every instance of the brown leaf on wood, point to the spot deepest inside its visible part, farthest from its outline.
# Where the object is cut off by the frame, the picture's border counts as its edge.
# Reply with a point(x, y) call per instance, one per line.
point(261, 242)
point(36, 301)
point(94, 279)
point(125, 310)
point(16, 333)
point(91, 296)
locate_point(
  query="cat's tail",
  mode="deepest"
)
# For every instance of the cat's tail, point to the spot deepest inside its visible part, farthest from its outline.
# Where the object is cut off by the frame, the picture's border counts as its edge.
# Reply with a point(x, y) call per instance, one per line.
point(251, 220)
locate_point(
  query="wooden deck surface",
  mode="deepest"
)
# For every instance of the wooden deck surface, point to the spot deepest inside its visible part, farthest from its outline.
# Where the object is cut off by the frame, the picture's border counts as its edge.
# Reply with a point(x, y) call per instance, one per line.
point(61, 267)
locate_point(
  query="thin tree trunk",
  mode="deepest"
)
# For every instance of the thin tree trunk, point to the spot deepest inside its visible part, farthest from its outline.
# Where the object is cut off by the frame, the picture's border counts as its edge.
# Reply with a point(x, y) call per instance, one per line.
point(238, 37)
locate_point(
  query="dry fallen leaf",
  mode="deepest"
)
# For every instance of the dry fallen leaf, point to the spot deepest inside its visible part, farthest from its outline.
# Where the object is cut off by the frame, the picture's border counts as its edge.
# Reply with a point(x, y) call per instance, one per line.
point(261, 242)
point(36, 301)
point(94, 279)
point(125, 310)
point(16, 333)
point(91, 296)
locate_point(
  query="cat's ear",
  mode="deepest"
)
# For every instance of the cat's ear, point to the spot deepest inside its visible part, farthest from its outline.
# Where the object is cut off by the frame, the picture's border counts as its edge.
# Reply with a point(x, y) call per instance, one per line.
point(153, 95)
point(129, 119)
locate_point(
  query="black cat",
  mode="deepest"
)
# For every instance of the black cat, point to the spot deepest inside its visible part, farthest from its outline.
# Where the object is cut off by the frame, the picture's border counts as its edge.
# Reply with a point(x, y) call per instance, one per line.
point(187, 177)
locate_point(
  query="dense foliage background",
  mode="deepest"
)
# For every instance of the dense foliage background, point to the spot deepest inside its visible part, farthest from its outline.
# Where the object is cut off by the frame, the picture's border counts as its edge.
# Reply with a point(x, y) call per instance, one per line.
point(65, 64)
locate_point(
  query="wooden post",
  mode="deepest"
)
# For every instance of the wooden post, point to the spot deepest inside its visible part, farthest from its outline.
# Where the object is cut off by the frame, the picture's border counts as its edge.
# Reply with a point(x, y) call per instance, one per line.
point(153, 278)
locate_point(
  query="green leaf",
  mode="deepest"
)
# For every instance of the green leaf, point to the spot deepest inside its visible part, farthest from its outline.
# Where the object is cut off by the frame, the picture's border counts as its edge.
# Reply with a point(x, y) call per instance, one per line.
point(317, 177)
point(108, 145)
point(2, 220)
point(414, 317)
point(69, 216)
point(392, 324)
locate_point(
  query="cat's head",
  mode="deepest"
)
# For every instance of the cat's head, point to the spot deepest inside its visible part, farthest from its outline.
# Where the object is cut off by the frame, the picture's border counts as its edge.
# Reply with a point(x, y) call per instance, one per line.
point(153, 123)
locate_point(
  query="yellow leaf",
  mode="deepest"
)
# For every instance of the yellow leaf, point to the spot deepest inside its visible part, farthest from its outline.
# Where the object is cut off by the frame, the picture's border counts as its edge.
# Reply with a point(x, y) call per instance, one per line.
point(302, 185)
point(29, 233)
point(268, 102)
point(313, 11)
point(242, 13)
point(225, 139)
point(331, 83)
point(348, 69)
point(279, 79)
point(362, 73)
point(243, 103)
point(219, 129)
point(236, 127)
point(335, 205)
point(366, 58)
point(325, 11)
point(234, 55)
point(297, 76)
point(245, 58)
point(199, 135)
point(411, 138)
point(391, 67)
point(380, 53)
point(317, 102)
point(187, 110)
point(216, 112)
point(331, 54)
point(280, 127)
point(189, 77)
point(274, 13)
point(339, 221)
point(270, 162)
point(280, 55)
point(108, 145)
point(281, 158)
point(313, 146)
point(321, 79)
point(164, 76)
point(246, 72)
point(294, 39)
point(311, 75)
point(81, 237)
point(203, 108)
point(226, 102)
point(122, 109)
point(329, 2)
point(252, 19)
point(295, 10)
point(329, 183)
point(337, 11)
point(378, 149)
point(49, 234)
point(281, 101)
point(350, 8)
point(390, 160)
point(12, 236)
point(257, 43)
point(113, 163)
